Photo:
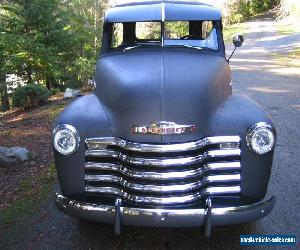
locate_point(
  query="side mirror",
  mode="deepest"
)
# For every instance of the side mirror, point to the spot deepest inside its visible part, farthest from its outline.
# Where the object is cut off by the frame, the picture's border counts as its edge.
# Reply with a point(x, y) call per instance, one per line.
point(237, 42)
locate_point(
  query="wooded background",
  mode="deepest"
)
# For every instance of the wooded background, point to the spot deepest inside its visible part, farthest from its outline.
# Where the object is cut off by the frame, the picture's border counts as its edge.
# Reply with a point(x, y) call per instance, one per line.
point(54, 44)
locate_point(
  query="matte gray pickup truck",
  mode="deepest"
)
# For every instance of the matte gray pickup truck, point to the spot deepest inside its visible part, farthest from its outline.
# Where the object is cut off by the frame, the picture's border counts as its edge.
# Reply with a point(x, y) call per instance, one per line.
point(163, 142)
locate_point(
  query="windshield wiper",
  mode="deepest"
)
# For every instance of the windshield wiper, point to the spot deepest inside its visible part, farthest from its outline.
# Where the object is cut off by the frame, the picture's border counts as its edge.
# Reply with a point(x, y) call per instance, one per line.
point(132, 47)
point(138, 46)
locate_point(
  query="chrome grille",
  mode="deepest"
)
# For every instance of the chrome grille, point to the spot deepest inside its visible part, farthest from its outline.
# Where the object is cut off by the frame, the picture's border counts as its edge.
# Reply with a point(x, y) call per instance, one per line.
point(163, 174)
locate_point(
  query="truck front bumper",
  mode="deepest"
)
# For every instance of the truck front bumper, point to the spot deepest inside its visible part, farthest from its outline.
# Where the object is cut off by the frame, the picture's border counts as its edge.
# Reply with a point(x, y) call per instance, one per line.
point(146, 217)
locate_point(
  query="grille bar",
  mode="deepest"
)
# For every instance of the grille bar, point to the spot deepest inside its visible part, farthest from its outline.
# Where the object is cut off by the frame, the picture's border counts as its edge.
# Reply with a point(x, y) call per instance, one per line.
point(164, 162)
point(162, 175)
point(99, 143)
point(162, 189)
point(168, 200)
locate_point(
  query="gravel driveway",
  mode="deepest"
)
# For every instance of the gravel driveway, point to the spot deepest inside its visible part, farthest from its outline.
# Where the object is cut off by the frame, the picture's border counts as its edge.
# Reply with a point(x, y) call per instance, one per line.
point(277, 89)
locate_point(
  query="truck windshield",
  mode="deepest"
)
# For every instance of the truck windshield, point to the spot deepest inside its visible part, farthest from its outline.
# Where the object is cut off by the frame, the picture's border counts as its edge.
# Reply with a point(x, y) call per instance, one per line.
point(196, 34)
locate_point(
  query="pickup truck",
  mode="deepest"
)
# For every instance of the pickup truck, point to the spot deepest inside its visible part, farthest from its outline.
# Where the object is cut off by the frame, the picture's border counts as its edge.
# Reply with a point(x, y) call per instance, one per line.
point(162, 141)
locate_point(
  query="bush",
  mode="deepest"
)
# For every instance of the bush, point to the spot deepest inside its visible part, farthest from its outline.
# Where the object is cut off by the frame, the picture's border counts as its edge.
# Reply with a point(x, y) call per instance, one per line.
point(240, 10)
point(54, 91)
point(31, 95)
point(236, 11)
point(237, 18)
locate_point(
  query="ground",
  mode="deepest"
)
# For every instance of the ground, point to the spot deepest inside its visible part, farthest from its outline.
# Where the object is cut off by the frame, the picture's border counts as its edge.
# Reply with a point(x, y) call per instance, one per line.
point(30, 129)
point(257, 73)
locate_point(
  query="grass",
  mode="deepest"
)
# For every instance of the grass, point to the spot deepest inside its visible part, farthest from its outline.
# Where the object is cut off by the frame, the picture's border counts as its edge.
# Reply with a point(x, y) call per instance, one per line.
point(35, 191)
point(290, 59)
point(291, 24)
point(54, 111)
point(229, 32)
point(287, 29)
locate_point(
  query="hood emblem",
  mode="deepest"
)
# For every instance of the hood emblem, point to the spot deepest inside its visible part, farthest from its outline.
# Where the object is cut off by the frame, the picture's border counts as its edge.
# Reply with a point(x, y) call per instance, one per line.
point(163, 128)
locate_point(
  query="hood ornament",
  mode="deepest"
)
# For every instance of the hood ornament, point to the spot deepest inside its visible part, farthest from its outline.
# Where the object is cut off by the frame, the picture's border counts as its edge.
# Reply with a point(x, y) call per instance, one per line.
point(163, 128)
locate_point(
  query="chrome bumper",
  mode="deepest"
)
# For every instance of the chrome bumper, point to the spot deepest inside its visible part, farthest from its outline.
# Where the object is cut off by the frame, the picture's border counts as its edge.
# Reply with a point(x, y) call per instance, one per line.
point(164, 217)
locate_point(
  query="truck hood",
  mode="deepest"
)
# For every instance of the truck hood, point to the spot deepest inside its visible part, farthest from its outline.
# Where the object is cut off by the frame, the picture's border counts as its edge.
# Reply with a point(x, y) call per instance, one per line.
point(142, 86)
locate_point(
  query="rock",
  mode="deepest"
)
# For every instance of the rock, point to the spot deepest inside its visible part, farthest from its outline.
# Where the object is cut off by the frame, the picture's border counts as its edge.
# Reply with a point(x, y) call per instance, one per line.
point(12, 156)
point(70, 93)
point(8, 160)
point(3, 150)
point(21, 153)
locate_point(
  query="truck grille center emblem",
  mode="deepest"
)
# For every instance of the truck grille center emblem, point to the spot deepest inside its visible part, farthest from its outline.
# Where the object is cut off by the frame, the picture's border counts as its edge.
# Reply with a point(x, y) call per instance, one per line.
point(163, 128)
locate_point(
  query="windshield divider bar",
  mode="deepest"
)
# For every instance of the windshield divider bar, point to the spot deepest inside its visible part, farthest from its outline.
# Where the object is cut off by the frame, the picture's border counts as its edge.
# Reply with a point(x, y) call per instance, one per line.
point(163, 17)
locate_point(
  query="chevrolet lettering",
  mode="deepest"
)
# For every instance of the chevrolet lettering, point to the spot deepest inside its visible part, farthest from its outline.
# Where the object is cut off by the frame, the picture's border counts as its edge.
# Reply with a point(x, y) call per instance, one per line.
point(163, 128)
point(162, 141)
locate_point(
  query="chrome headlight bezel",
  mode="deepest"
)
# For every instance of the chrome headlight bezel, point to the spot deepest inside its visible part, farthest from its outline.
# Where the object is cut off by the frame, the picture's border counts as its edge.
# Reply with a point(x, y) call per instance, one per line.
point(255, 129)
point(72, 132)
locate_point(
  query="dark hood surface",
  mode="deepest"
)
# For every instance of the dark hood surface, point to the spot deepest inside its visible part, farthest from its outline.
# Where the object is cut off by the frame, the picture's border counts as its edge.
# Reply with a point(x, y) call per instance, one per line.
point(142, 86)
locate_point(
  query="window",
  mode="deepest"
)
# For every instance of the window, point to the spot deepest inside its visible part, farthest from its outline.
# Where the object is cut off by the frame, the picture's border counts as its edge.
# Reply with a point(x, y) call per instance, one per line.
point(148, 31)
point(207, 28)
point(133, 34)
point(176, 30)
point(117, 35)
point(200, 34)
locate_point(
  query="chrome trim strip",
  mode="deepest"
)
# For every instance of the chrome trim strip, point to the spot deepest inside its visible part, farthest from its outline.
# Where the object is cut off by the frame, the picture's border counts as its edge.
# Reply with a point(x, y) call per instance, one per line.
point(161, 148)
point(151, 217)
point(171, 200)
point(164, 162)
point(162, 189)
point(160, 175)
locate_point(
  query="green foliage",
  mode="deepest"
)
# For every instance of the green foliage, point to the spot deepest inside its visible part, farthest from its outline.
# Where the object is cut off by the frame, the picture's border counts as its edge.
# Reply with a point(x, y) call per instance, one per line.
point(241, 10)
point(258, 6)
point(50, 42)
point(31, 95)
point(177, 29)
point(84, 68)
point(54, 91)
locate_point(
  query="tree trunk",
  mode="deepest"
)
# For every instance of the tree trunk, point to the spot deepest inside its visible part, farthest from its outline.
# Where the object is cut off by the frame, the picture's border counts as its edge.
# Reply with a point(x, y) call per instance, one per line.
point(48, 83)
point(4, 94)
point(29, 74)
point(95, 26)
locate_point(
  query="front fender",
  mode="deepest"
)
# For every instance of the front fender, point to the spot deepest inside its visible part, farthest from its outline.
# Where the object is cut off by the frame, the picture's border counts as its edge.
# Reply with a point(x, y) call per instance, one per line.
point(87, 115)
point(236, 116)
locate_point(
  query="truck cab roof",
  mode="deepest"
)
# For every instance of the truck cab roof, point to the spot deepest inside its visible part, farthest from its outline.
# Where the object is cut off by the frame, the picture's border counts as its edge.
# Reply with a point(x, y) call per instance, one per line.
point(162, 11)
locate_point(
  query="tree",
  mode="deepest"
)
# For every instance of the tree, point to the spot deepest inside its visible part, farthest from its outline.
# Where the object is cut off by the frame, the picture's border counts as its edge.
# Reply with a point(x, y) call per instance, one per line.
point(50, 42)
point(86, 24)
point(3, 65)
point(3, 93)
point(3, 86)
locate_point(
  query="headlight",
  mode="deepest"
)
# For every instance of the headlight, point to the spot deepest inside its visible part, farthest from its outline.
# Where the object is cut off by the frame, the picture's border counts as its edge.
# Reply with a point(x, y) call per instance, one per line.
point(65, 139)
point(260, 138)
